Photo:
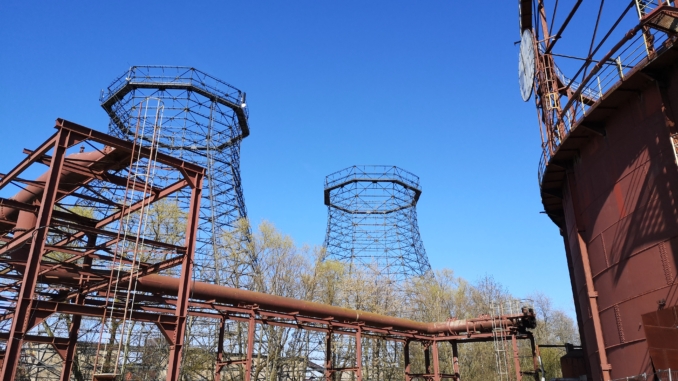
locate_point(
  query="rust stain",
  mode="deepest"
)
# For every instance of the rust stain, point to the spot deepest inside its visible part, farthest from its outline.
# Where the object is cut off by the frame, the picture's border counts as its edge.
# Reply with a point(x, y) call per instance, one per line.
point(665, 263)
point(620, 328)
point(607, 260)
point(619, 197)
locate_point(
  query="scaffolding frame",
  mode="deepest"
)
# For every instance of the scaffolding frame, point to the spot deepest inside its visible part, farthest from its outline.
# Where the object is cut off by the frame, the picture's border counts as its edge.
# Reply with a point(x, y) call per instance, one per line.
point(61, 267)
point(103, 252)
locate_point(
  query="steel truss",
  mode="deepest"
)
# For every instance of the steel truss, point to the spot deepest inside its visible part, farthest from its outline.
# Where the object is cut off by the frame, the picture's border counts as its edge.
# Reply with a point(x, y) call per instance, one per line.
point(372, 222)
point(102, 246)
point(563, 102)
point(204, 120)
point(92, 293)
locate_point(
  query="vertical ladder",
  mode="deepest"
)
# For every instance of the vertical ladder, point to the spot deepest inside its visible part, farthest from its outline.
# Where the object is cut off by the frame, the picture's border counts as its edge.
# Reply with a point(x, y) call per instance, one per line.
point(499, 341)
point(551, 100)
point(643, 7)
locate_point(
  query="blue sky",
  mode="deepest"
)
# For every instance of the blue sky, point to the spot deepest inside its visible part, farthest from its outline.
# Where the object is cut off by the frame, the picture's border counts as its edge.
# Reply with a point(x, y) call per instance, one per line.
point(431, 87)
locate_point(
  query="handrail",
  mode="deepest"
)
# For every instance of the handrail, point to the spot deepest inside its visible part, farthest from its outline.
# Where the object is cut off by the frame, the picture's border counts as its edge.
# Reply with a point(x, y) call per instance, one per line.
point(630, 52)
point(173, 76)
point(372, 172)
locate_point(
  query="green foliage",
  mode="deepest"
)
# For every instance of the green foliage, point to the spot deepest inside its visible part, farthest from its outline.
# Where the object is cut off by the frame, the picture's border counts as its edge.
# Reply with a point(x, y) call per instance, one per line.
point(167, 221)
point(289, 270)
point(279, 266)
point(553, 327)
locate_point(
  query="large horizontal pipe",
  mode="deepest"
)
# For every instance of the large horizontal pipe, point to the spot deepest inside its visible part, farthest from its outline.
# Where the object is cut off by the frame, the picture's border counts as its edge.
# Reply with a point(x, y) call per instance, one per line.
point(168, 286)
point(97, 161)
point(223, 294)
point(32, 193)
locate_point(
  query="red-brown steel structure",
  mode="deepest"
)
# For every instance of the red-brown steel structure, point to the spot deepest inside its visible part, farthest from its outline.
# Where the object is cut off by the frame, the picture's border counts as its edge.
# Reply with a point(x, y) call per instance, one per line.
point(27, 247)
point(608, 177)
point(56, 261)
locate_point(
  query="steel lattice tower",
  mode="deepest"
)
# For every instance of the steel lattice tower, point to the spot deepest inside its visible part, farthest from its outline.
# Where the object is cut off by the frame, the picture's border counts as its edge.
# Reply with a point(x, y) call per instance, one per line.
point(203, 121)
point(372, 222)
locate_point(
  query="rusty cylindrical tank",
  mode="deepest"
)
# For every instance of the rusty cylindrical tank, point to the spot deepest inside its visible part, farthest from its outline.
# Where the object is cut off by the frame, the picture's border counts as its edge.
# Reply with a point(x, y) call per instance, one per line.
point(613, 191)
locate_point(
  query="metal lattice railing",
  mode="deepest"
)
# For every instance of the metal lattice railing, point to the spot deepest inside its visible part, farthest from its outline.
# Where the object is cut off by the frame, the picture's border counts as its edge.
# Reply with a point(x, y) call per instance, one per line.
point(633, 53)
point(157, 76)
point(640, 377)
point(667, 375)
point(587, 92)
point(636, 50)
point(358, 172)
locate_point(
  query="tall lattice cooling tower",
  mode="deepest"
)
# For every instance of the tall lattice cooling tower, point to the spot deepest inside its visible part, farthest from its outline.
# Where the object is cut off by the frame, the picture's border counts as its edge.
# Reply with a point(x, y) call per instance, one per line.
point(372, 222)
point(202, 120)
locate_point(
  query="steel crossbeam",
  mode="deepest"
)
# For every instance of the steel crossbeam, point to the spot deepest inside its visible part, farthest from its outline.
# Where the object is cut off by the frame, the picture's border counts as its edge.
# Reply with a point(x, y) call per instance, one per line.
point(84, 282)
point(32, 306)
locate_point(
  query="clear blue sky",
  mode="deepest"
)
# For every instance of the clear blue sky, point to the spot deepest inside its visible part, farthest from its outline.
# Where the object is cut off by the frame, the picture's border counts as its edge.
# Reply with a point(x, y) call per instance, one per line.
point(431, 87)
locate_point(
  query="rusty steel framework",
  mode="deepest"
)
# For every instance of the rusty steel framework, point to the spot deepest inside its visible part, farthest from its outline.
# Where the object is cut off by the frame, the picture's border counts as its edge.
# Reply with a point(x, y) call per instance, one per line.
point(607, 128)
point(102, 246)
point(372, 222)
point(563, 101)
point(203, 122)
point(89, 291)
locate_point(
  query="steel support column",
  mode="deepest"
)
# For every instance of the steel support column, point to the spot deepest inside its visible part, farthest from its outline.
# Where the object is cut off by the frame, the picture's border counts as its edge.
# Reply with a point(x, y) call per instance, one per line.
point(76, 319)
point(328, 356)
point(250, 347)
point(436, 363)
point(181, 312)
point(605, 367)
point(406, 356)
point(25, 297)
point(427, 358)
point(455, 360)
point(359, 354)
point(220, 350)
point(536, 360)
point(516, 358)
